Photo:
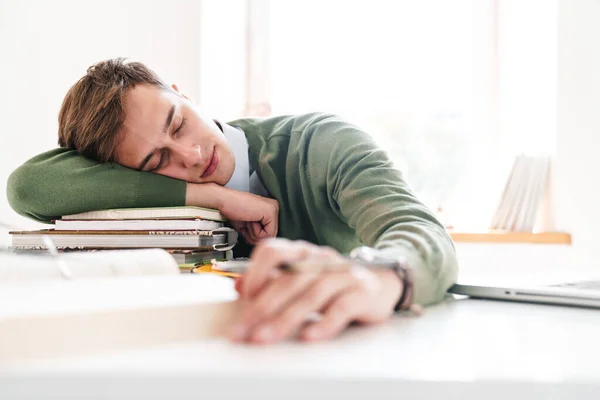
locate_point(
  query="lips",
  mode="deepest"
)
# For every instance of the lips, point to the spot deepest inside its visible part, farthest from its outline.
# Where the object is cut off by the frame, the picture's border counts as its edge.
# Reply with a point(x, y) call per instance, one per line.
point(212, 164)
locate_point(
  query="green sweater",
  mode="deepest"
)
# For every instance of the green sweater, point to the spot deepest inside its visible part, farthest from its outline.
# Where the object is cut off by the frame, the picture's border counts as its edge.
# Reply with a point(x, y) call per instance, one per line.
point(335, 187)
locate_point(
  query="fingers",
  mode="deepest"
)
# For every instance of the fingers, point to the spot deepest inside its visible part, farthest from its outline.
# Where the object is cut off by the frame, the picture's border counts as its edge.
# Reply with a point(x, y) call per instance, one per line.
point(239, 282)
point(270, 220)
point(288, 317)
point(275, 296)
point(268, 255)
point(246, 230)
point(253, 232)
point(269, 227)
point(277, 304)
point(246, 234)
point(342, 311)
point(370, 302)
point(241, 228)
point(249, 234)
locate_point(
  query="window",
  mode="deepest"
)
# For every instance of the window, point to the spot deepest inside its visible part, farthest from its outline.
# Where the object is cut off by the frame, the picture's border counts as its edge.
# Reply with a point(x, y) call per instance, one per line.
point(451, 89)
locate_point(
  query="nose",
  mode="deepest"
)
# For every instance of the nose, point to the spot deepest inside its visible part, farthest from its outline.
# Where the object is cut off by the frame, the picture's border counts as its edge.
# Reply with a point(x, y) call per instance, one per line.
point(190, 156)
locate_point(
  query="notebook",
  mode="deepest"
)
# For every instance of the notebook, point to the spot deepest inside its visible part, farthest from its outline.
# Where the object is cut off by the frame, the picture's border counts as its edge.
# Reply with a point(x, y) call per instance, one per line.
point(113, 301)
point(218, 239)
point(149, 213)
point(138, 225)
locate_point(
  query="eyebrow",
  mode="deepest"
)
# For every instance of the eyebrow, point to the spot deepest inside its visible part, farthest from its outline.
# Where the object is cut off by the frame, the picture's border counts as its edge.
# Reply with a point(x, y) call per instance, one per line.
point(165, 130)
point(169, 119)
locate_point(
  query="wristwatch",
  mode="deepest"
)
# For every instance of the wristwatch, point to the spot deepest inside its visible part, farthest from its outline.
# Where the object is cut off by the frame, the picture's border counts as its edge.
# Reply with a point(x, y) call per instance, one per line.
point(399, 266)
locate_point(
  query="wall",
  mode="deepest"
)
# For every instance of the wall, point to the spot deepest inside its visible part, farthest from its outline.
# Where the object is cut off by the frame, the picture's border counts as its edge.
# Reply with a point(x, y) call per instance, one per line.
point(45, 46)
point(578, 163)
point(577, 167)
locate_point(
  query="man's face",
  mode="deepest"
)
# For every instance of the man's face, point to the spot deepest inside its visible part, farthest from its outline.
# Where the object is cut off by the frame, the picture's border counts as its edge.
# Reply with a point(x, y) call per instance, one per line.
point(163, 132)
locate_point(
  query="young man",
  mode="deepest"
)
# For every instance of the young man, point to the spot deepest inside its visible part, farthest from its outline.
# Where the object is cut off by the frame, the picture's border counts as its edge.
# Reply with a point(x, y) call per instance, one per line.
point(129, 140)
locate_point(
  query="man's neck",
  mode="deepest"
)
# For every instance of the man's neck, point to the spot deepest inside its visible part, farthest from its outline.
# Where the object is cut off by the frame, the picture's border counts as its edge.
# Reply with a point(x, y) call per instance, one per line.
point(240, 179)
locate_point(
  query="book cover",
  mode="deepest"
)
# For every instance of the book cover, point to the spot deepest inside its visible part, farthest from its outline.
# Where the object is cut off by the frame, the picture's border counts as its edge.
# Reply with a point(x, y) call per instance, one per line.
point(149, 213)
point(137, 225)
point(219, 239)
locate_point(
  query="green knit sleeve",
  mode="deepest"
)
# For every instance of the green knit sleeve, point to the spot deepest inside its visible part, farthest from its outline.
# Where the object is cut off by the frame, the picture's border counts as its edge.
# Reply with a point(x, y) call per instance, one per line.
point(61, 182)
point(373, 198)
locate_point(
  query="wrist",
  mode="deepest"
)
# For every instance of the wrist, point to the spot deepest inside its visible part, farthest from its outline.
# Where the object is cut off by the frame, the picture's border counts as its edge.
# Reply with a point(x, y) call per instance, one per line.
point(209, 195)
point(392, 284)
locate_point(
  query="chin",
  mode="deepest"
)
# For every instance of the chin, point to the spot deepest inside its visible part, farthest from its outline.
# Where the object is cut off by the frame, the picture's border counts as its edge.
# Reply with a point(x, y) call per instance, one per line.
point(216, 177)
point(222, 179)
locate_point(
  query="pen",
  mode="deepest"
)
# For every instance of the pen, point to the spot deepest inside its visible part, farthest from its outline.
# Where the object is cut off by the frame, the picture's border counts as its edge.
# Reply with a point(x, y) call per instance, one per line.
point(308, 265)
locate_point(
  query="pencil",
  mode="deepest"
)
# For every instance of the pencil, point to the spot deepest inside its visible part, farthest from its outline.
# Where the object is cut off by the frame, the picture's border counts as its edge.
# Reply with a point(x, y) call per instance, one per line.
point(309, 265)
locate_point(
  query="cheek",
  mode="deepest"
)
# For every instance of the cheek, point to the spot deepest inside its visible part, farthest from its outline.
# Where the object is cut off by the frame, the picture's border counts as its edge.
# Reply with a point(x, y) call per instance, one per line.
point(227, 165)
point(174, 171)
point(126, 157)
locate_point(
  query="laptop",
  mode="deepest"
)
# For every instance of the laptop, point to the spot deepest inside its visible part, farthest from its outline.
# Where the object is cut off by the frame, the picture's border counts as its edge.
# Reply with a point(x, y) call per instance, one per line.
point(585, 293)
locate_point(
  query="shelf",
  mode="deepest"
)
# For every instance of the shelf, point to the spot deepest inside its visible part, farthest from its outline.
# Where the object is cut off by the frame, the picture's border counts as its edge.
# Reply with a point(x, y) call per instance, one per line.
point(512, 237)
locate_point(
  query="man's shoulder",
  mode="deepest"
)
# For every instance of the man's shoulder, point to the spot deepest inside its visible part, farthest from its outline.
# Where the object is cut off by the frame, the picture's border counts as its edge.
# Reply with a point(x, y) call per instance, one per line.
point(283, 122)
point(287, 125)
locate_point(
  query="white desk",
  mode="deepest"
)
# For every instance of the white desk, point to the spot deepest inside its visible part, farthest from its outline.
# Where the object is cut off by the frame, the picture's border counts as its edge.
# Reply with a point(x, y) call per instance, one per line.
point(460, 349)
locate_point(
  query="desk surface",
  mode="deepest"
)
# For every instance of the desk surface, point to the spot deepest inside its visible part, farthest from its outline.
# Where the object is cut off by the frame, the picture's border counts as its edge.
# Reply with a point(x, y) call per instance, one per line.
point(459, 348)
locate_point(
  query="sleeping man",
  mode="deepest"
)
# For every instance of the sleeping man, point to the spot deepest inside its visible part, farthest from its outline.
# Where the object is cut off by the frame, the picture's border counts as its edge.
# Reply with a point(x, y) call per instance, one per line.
point(317, 183)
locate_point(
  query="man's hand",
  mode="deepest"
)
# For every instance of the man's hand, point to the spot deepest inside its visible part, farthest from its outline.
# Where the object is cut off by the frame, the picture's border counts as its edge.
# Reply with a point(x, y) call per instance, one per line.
point(276, 305)
point(254, 217)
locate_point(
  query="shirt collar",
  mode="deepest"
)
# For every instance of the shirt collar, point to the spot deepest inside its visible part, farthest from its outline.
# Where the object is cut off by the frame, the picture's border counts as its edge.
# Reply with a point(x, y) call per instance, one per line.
point(240, 180)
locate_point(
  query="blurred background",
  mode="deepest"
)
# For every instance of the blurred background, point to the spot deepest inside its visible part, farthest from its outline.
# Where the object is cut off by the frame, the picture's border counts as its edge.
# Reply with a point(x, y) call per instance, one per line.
point(452, 89)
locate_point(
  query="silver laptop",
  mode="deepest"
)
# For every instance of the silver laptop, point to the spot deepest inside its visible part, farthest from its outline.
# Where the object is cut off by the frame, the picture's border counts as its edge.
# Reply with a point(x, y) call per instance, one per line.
point(580, 293)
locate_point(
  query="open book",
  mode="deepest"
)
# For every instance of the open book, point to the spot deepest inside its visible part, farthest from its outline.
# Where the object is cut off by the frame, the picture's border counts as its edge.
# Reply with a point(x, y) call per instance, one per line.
point(83, 303)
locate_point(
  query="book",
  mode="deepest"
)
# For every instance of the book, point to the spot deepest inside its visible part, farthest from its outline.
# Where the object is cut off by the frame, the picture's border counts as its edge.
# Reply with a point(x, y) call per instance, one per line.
point(502, 217)
point(97, 316)
point(187, 212)
point(537, 201)
point(111, 301)
point(219, 239)
point(523, 196)
point(197, 257)
point(42, 266)
point(137, 225)
point(181, 256)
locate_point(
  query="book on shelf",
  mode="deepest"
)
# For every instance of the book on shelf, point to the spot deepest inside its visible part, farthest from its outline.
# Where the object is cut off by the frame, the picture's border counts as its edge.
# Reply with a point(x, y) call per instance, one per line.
point(218, 239)
point(187, 212)
point(524, 194)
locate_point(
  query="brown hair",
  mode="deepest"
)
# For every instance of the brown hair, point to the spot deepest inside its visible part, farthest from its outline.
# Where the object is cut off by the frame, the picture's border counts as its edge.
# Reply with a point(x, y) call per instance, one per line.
point(92, 112)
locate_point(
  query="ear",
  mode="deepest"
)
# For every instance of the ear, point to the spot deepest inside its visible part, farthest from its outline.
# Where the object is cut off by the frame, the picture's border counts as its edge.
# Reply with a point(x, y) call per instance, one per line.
point(175, 88)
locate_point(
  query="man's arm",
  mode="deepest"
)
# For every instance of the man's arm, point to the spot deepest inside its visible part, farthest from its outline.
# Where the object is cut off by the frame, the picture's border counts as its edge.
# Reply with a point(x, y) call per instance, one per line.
point(61, 182)
point(373, 198)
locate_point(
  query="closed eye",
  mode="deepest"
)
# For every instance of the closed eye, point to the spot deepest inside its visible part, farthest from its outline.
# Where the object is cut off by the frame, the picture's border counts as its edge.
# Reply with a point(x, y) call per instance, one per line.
point(179, 129)
point(162, 161)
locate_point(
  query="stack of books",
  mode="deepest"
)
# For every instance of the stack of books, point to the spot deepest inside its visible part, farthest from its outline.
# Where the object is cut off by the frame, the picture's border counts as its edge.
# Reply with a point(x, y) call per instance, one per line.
point(192, 235)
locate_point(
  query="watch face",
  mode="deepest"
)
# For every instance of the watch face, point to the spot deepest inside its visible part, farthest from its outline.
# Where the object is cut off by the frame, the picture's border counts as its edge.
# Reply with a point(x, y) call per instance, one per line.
point(363, 253)
point(372, 257)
